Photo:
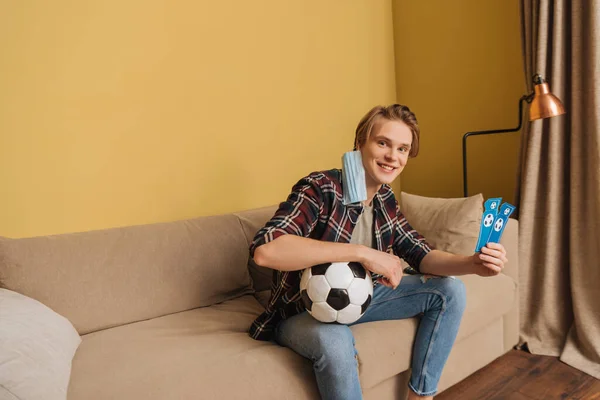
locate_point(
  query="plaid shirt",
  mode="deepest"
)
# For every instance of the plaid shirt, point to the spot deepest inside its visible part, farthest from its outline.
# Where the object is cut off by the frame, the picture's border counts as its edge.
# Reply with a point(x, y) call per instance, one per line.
point(314, 209)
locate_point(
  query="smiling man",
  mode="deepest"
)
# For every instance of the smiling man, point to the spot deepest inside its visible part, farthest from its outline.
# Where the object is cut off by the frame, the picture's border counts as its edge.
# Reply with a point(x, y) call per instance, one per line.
point(313, 226)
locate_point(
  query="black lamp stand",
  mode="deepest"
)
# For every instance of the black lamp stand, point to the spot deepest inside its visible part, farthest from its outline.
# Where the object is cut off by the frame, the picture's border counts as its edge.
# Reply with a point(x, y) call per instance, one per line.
point(528, 98)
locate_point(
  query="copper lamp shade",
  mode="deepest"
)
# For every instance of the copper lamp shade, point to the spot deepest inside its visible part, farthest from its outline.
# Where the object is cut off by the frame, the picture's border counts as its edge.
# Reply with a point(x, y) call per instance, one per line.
point(544, 103)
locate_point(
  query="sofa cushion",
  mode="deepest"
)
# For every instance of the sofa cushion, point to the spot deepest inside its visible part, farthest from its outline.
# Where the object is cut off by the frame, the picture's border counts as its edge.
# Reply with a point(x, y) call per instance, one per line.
point(36, 349)
point(448, 224)
point(385, 347)
point(110, 277)
point(252, 221)
point(203, 353)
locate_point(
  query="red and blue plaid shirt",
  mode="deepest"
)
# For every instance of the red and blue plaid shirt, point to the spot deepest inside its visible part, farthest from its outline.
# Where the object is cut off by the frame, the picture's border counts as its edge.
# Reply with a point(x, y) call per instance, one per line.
point(314, 209)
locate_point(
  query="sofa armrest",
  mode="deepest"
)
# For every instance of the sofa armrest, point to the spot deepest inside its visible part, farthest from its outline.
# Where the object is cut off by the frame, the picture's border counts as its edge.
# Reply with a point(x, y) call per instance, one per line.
point(510, 240)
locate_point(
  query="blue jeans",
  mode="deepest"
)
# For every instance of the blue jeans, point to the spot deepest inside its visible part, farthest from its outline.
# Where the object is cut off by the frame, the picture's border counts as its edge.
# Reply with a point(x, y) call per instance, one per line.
point(439, 301)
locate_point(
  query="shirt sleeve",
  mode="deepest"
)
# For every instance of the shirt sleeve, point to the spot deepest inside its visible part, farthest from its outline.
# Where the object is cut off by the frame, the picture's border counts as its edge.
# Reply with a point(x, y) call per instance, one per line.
point(408, 243)
point(298, 215)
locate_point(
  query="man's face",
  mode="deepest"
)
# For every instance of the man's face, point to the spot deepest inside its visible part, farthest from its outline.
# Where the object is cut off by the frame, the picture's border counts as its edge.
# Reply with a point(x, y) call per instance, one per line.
point(385, 153)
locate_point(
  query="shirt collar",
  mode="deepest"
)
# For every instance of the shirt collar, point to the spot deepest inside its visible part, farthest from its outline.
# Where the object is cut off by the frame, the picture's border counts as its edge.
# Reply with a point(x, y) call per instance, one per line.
point(378, 199)
point(378, 202)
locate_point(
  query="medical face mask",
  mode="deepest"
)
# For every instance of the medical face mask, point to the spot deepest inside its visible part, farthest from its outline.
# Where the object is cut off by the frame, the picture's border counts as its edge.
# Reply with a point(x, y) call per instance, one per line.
point(353, 176)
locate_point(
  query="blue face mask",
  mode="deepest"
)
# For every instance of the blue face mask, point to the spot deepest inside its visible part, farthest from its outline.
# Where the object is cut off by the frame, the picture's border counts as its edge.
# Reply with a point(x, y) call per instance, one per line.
point(353, 176)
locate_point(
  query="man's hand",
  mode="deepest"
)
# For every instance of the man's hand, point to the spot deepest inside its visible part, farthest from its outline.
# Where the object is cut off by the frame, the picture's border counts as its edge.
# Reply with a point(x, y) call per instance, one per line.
point(384, 264)
point(490, 261)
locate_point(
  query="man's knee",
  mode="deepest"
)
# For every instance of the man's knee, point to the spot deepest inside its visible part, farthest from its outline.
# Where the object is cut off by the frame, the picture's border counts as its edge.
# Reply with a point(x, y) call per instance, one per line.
point(336, 346)
point(332, 336)
point(455, 292)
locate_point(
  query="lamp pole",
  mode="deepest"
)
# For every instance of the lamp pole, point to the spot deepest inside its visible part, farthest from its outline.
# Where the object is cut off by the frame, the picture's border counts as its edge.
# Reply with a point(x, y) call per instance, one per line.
point(528, 98)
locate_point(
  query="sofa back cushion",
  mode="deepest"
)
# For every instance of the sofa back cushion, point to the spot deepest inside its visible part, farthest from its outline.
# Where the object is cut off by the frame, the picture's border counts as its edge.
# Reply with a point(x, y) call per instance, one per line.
point(252, 221)
point(106, 278)
point(448, 224)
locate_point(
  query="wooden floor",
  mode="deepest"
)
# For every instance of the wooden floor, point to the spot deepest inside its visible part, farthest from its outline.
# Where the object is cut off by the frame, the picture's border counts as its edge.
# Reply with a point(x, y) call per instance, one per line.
point(520, 375)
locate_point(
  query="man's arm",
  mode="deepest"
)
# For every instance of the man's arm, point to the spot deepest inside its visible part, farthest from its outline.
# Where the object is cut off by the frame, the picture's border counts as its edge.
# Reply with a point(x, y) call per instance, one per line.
point(489, 262)
point(292, 253)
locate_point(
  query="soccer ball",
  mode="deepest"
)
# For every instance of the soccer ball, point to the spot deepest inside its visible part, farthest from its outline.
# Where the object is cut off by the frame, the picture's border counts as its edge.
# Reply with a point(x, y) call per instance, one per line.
point(336, 292)
point(488, 220)
point(498, 225)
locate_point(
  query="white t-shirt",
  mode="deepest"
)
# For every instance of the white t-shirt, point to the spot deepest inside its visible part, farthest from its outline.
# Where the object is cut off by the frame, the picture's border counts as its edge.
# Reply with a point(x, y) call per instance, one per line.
point(363, 230)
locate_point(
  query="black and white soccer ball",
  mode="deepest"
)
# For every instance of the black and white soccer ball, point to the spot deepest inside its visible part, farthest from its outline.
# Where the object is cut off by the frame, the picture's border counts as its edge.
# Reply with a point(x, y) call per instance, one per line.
point(336, 292)
point(488, 220)
point(498, 224)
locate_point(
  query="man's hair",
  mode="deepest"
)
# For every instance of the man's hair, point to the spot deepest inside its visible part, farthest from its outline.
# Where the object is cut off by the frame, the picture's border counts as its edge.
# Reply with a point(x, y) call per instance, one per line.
point(394, 112)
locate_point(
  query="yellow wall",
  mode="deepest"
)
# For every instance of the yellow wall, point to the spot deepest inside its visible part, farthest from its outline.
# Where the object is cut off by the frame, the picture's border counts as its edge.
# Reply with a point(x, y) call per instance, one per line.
point(126, 112)
point(458, 66)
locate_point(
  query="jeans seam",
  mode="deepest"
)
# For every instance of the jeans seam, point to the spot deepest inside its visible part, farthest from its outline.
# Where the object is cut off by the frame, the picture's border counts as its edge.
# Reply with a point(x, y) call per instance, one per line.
point(432, 341)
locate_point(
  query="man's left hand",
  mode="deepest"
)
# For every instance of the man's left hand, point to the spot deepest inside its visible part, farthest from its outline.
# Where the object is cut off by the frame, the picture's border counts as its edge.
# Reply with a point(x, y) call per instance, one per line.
point(490, 261)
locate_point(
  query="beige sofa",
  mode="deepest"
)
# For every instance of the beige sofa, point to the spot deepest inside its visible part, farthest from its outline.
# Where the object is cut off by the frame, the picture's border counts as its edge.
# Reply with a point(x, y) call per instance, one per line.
point(163, 311)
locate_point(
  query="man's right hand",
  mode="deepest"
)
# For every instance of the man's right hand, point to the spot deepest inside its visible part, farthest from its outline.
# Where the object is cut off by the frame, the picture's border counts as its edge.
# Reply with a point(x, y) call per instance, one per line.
point(384, 264)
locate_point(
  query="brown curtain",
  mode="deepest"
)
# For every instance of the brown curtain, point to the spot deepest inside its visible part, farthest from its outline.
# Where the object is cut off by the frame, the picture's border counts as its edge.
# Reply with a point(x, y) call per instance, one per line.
point(559, 186)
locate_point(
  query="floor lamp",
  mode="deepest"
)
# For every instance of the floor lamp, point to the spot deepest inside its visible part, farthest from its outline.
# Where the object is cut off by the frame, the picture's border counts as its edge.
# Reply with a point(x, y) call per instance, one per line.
point(543, 105)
